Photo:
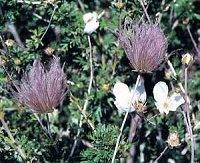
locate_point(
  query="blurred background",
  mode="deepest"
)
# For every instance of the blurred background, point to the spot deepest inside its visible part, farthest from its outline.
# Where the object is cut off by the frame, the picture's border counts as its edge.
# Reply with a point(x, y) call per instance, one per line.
point(39, 29)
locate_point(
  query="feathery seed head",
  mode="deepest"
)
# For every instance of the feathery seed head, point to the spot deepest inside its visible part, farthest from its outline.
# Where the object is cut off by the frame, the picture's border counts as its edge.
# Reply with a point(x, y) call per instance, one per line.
point(42, 90)
point(145, 45)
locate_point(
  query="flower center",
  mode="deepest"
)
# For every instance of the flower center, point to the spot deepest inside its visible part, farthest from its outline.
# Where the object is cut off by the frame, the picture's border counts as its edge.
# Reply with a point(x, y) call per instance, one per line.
point(140, 106)
point(166, 105)
point(173, 139)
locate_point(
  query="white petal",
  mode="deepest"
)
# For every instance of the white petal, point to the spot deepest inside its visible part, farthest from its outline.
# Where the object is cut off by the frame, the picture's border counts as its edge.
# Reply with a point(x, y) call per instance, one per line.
point(160, 92)
point(91, 26)
point(95, 15)
point(90, 17)
point(123, 106)
point(120, 89)
point(123, 97)
point(161, 108)
point(140, 93)
point(175, 101)
point(87, 17)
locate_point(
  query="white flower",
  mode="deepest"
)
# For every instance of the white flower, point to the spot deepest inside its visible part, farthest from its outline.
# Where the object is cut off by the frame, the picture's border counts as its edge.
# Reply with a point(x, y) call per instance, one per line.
point(165, 103)
point(124, 100)
point(91, 22)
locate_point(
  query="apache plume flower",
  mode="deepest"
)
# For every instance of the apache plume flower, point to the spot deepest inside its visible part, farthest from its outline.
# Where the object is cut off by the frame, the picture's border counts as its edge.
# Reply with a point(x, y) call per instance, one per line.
point(42, 90)
point(164, 102)
point(145, 45)
point(124, 100)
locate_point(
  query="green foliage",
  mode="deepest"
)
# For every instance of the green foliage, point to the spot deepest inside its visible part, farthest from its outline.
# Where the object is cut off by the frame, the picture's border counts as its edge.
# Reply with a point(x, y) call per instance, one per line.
point(42, 24)
point(102, 145)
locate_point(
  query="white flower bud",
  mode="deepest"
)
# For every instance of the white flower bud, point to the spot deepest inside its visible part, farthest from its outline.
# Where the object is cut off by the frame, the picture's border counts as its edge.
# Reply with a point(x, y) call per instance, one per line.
point(91, 22)
point(187, 59)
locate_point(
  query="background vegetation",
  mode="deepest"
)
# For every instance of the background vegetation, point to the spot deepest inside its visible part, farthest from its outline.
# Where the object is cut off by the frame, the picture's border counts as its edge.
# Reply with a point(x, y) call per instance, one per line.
point(64, 23)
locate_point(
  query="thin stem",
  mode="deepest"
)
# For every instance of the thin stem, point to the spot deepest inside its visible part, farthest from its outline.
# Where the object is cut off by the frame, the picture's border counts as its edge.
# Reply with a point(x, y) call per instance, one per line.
point(148, 120)
point(5, 126)
point(162, 10)
point(40, 122)
point(183, 90)
point(46, 130)
point(186, 80)
point(120, 15)
point(153, 117)
point(86, 117)
point(188, 115)
point(119, 137)
point(81, 5)
point(161, 154)
point(123, 123)
point(9, 76)
point(55, 7)
point(86, 100)
point(49, 133)
point(192, 39)
point(101, 14)
point(91, 65)
point(186, 122)
point(75, 142)
point(145, 11)
point(175, 75)
point(132, 132)
point(75, 100)
point(40, 17)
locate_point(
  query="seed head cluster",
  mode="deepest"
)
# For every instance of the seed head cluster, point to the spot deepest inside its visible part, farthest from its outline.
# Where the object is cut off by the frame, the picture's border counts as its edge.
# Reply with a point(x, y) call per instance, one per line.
point(40, 89)
point(145, 45)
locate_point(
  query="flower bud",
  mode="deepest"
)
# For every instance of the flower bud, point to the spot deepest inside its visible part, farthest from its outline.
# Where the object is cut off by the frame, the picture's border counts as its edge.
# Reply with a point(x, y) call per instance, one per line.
point(106, 87)
point(119, 5)
point(10, 42)
point(17, 61)
point(186, 21)
point(91, 22)
point(178, 90)
point(49, 51)
point(1, 115)
point(173, 139)
point(187, 59)
point(168, 73)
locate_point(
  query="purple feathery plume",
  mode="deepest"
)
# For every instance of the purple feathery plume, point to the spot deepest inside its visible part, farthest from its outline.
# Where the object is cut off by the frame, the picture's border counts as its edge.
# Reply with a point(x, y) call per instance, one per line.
point(42, 90)
point(145, 45)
